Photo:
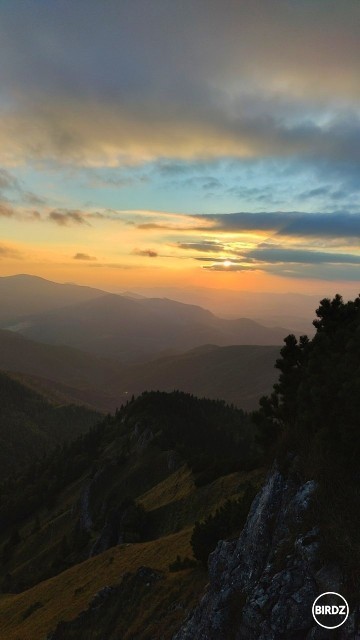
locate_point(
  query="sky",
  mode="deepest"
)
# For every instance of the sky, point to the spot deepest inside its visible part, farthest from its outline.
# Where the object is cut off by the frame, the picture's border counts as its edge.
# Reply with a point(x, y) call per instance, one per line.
point(205, 144)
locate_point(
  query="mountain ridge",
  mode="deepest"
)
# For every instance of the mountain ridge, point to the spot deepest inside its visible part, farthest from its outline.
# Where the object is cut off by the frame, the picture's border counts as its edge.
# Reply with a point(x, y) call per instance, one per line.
point(237, 374)
point(131, 330)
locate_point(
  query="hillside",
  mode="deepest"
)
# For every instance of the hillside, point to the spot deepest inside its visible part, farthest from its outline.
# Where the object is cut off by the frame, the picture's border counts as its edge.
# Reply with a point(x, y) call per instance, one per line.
point(30, 425)
point(24, 294)
point(110, 535)
point(301, 538)
point(69, 373)
point(125, 496)
point(236, 374)
point(139, 329)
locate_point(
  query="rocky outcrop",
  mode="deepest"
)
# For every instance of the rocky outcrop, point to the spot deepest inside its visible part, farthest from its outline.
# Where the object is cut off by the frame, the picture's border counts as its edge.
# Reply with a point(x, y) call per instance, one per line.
point(84, 504)
point(125, 523)
point(262, 586)
point(142, 435)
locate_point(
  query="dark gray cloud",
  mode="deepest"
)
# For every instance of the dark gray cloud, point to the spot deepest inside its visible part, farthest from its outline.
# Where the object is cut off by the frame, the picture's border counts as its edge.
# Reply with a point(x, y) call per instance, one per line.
point(83, 256)
point(223, 259)
point(66, 217)
point(291, 263)
point(337, 273)
point(150, 253)
point(140, 47)
point(281, 254)
point(207, 246)
point(316, 192)
point(292, 223)
point(180, 80)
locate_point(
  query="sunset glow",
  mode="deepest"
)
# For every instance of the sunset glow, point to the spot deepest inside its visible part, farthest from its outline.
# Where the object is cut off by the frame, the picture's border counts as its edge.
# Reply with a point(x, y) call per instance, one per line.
point(129, 160)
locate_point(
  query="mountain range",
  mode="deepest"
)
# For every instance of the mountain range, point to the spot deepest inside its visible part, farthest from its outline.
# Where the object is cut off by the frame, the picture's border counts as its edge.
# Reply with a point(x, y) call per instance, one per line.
point(238, 374)
point(110, 325)
point(86, 346)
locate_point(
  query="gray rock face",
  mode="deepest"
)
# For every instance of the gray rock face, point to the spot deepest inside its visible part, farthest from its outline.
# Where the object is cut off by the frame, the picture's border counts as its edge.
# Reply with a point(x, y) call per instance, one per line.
point(143, 436)
point(84, 505)
point(263, 585)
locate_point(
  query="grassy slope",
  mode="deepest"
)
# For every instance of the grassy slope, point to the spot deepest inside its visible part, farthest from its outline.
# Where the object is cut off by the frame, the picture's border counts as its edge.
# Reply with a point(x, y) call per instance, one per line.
point(173, 503)
point(66, 595)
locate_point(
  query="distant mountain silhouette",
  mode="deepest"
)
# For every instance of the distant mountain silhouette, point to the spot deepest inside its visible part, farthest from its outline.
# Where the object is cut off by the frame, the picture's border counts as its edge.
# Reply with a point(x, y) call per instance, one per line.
point(23, 294)
point(129, 329)
point(236, 374)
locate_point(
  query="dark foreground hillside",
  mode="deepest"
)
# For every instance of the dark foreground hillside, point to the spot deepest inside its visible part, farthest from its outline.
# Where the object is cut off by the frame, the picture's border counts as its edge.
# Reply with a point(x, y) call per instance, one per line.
point(124, 497)
point(117, 534)
point(30, 425)
point(302, 536)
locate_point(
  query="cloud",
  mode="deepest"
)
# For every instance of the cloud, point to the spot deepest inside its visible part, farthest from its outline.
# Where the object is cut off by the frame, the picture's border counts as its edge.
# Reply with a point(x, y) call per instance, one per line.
point(338, 273)
point(111, 178)
point(230, 268)
point(168, 227)
point(34, 215)
point(150, 253)
point(280, 254)
point(83, 256)
point(65, 217)
point(6, 211)
point(288, 223)
point(16, 191)
point(106, 134)
point(32, 198)
point(316, 193)
point(7, 181)
point(9, 252)
point(206, 183)
point(206, 246)
point(153, 225)
point(235, 94)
